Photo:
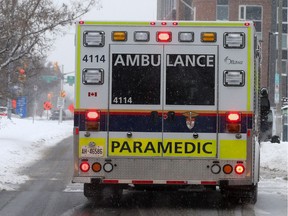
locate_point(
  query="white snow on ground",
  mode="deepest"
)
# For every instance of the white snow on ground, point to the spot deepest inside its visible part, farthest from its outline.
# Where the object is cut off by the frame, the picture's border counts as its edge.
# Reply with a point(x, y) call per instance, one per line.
point(274, 156)
point(22, 142)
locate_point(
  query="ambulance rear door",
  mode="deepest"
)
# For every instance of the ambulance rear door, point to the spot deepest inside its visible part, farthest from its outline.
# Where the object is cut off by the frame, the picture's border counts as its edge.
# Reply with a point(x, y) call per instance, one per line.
point(135, 108)
point(190, 100)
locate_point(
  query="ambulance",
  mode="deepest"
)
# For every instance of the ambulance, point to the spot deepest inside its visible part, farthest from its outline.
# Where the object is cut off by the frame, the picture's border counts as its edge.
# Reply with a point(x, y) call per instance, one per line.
point(167, 105)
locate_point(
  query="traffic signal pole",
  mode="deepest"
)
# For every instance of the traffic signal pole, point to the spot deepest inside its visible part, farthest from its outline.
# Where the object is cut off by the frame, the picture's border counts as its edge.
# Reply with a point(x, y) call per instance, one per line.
point(61, 90)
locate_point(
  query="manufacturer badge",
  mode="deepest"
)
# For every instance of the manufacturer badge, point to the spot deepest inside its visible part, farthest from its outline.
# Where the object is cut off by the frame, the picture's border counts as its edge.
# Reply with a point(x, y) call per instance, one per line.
point(190, 119)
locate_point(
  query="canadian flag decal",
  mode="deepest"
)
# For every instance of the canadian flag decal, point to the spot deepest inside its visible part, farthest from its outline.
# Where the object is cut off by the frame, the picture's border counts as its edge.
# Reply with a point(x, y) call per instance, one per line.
point(92, 94)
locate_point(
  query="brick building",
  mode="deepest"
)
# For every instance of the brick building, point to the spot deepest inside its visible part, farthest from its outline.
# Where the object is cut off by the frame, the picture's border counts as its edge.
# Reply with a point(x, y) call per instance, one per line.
point(262, 12)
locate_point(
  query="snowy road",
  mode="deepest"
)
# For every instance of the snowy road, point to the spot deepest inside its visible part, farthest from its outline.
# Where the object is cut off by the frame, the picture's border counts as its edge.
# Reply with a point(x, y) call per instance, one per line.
point(49, 192)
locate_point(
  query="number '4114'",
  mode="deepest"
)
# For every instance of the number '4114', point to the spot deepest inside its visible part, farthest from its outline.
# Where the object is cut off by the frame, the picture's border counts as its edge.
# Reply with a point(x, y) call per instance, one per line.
point(94, 58)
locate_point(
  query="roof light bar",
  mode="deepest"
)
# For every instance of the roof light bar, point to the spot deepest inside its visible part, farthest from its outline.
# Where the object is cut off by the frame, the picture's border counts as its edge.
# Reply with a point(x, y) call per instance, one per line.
point(186, 36)
point(208, 37)
point(164, 36)
point(119, 36)
point(141, 36)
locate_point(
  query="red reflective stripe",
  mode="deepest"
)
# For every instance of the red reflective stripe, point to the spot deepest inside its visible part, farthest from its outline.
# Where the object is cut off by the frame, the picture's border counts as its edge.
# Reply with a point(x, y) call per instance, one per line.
point(110, 181)
point(171, 182)
point(176, 182)
point(142, 182)
point(208, 183)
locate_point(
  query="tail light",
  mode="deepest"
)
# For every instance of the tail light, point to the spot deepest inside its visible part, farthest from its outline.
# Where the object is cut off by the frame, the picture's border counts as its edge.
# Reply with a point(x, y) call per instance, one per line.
point(96, 167)
point(92, 115)
point(227, 169)
point(233, 117)
point(233, 120)
point(84, 166)
point(239, 169)
point(92, 122)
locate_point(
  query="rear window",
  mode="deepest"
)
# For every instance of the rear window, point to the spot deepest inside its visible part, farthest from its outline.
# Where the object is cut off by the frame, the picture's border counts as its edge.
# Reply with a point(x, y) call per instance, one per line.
point(136, 78)
point(190, 80)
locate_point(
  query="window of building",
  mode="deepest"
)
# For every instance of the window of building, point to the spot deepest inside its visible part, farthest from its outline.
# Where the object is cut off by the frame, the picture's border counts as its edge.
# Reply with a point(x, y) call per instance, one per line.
point(284, 31)
point(222, 10)
point(252, 12)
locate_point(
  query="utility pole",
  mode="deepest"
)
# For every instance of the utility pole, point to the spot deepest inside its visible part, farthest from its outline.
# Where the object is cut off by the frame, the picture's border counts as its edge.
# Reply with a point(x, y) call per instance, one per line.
point(61, 90)
point(278, 76)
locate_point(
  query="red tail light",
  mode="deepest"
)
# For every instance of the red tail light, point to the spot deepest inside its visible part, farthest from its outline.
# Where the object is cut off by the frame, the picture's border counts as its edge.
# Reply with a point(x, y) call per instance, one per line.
point(92, 115)
point(84, 166)
point(92, 120)
point(233, 117)
point(164, 36)
point(233, 120)
point(239, 169)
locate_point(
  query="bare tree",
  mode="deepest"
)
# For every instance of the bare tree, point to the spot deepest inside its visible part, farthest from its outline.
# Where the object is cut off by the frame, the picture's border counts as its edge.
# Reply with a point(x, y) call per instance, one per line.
point(27, 26)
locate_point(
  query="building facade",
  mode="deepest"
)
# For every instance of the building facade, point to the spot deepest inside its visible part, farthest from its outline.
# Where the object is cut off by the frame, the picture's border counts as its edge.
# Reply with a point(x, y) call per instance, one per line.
point(264, 13)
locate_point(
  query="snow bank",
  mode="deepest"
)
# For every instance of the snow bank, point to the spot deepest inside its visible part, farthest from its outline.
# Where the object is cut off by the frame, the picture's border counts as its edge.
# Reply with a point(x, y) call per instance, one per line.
point(22, 142)
point(274, 156)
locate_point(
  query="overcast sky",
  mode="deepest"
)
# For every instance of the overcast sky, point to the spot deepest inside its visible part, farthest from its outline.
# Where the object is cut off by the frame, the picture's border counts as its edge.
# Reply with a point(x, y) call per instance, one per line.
point(112, 10)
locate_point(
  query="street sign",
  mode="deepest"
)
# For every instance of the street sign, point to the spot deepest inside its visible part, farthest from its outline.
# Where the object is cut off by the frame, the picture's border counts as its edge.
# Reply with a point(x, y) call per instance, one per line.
point(47, 105)
point(70, 80)
point(276, 94)
point(48, 78)
point(21, 106)
point(60, 102)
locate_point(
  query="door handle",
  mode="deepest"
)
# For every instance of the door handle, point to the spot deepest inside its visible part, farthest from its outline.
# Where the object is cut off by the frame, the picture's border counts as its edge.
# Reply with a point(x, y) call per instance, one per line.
point(171, 115)
point(154, 115)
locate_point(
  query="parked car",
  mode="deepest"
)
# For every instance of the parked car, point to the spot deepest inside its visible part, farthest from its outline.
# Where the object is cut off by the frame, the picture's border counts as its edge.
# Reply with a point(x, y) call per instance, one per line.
point(66, 115)
point(55, 115)
point(3, 111)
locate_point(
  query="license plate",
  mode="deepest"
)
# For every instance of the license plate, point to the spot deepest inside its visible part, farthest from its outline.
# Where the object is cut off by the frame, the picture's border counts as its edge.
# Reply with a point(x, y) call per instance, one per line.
point(96, 151)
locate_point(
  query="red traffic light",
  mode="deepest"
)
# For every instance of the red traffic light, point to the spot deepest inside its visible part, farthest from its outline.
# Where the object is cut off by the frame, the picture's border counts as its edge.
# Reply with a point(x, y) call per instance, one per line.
point(21, 71)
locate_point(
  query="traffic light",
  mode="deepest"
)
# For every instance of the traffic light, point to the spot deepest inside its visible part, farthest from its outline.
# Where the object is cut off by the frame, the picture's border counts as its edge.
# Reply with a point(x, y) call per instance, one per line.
point(21, 71)
point(49, 96)
point(63, 94)
point(22, 77)
point(56, 66)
